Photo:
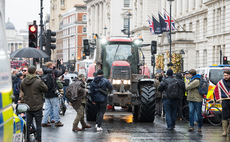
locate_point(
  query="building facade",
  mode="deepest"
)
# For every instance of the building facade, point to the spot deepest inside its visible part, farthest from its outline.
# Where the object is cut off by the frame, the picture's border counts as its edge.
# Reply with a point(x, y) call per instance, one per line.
point(70, 36)
point(57, 8)
point(203, 31)
point(16, 40)
point(202, 27)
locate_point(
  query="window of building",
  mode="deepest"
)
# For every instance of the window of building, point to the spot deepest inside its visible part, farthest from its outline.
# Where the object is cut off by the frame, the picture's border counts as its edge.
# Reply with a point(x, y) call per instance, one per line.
point(190, 26)
point(205, 28)
point(62, 2)
point(126, 3)
point(84, 30)
point(126, 20)
point(84, 18)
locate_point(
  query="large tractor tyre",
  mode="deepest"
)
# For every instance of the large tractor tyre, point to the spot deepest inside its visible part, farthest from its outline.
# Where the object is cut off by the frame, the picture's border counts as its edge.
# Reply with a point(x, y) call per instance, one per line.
point(147, 107)
point(91, 110)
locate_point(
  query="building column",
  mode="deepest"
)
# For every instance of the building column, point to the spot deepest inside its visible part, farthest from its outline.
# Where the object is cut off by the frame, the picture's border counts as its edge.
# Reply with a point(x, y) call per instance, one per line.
point(178, 8)
point(100, 19)
point(185, 6)
point(191, 5)
point(163, 5)
point(14, 47)
point(198, 4)
point(174, 9)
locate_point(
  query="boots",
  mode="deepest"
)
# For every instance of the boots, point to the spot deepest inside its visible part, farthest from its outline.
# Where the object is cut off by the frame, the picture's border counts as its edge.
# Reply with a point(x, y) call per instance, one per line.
point(228, 128)
point(224, 126)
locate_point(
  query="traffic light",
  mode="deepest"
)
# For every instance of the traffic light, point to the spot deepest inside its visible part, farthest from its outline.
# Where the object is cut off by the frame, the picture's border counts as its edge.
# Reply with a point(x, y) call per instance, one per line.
point(86, 47)
point(153, 47)
point(153, 60)
point(50, 40)
point(33, 35)
point(225, 60)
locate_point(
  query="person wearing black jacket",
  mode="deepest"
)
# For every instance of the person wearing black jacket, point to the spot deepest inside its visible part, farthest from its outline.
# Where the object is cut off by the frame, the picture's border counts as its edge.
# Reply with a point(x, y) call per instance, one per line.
point(182, 92)
point(99, 99)
point(51, 98)
point(17, 81)
point(170, 105)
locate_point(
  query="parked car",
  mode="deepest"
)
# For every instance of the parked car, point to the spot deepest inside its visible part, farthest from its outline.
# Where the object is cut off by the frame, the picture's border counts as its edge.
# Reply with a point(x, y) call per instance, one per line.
point(73, 76)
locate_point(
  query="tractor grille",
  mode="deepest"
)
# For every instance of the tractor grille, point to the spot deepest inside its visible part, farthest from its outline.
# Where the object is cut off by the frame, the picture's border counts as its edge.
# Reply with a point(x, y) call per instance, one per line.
point(121, 72)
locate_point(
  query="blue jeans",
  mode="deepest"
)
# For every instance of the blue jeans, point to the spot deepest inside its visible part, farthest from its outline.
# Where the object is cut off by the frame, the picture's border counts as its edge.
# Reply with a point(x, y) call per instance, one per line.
point(64, 98)
point(170, 107)
point(49, 104)
point(198, 107)
point(195, 116)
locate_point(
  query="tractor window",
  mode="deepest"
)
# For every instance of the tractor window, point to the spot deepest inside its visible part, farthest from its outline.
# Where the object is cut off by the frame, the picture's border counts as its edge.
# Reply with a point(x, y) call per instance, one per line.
point(125, 52)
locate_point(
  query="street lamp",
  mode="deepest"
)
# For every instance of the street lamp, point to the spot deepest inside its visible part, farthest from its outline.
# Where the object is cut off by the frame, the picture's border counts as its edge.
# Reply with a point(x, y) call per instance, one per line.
point(182, 59)
point(129, 23)
point(105, 29)
point(170, 63)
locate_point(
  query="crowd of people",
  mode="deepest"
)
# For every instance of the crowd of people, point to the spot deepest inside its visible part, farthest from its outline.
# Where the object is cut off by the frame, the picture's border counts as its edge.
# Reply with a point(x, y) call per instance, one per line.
point(36, 87)
point(174, 91)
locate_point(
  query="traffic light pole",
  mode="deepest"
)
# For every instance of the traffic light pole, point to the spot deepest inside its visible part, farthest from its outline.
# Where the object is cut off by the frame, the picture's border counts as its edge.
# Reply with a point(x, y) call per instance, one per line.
point(41, 31)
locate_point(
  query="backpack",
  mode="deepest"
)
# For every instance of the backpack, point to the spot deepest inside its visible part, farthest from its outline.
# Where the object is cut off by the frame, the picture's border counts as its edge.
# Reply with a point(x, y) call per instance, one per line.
point(71, 92)
point(16, 89)
point(49, 80)
point(203, 87)
point(66, 82)
point(173, 90)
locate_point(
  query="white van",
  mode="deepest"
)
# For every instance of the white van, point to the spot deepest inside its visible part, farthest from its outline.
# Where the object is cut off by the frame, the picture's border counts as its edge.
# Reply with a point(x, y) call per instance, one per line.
point(213, 74)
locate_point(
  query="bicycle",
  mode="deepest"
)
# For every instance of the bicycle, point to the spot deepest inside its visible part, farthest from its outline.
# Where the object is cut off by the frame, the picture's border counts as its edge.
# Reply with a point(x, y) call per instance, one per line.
point(213, 114)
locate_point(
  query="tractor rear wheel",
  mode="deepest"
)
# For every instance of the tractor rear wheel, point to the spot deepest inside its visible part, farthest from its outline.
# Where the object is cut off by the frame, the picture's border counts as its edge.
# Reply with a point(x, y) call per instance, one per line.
point(91, 110)
point(147, 107)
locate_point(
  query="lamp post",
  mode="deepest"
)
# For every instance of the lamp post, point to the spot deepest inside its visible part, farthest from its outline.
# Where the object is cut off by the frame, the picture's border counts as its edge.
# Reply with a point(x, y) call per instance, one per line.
point(182, 59)
point(68, 56)
point(170, 40)
point(105, 28)
point(129, 23)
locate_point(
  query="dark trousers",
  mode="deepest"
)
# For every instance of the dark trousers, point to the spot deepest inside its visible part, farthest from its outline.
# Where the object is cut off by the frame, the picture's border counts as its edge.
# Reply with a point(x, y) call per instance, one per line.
point(170, 107)
point(184, 102)
point(101, 106)
point(16, 98)
point(179, 108)
point(158, 106)
point(225, 109)
point(38, 119)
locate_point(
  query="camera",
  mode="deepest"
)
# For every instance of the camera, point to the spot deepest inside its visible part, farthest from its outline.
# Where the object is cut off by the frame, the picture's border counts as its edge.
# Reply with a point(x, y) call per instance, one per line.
point(56, 92)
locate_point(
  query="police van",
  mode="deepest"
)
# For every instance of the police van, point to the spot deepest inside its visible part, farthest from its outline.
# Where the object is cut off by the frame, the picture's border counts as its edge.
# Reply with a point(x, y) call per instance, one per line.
point(212, 74)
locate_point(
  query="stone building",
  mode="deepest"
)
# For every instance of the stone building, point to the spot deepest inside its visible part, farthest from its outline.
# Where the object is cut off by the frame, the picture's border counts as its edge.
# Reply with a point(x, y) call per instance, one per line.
point(70, 37)
point(57, 8)
point(202, 26)
point(16, 40)
point(203, 30)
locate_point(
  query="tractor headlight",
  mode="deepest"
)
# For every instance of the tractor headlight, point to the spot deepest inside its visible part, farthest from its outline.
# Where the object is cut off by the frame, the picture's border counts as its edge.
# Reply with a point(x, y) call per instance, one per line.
point(126, 82)
point(103, 41)
point(138, 42)
point(116, 81)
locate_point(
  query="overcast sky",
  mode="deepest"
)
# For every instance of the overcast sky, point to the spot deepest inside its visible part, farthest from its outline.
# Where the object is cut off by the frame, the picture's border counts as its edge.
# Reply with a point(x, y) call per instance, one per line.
point(22, 11)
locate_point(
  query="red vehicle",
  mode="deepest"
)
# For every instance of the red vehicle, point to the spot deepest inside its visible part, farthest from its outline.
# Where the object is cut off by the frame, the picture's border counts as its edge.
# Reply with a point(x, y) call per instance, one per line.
point(123, 63)
point(18, 63)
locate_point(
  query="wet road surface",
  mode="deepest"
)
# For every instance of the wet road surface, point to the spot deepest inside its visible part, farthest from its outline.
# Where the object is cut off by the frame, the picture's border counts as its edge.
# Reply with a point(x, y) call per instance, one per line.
point(119, 126)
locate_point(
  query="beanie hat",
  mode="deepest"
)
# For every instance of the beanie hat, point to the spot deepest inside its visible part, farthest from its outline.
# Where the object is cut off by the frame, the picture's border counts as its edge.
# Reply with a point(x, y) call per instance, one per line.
point(100, 72)
point(19, 74)
point(169, 72)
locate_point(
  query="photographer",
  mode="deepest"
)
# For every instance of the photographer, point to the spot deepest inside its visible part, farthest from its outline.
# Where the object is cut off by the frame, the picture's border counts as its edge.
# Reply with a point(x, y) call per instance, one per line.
point(51, 97)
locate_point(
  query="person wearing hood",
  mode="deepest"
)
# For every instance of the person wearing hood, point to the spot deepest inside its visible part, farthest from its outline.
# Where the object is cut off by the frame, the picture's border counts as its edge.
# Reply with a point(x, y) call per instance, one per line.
point(170, 105)
point(98, 98)
point(195, 100)
point(182, 92)
point(17, 81)
point(32, 87)
point(79, 104)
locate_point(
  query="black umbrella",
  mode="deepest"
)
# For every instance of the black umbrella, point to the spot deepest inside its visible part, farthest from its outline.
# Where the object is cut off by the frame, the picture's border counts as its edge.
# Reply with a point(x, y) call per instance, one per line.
point(29, 52)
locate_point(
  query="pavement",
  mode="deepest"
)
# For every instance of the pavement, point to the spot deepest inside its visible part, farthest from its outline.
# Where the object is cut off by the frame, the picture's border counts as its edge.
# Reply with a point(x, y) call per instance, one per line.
point(119, 126)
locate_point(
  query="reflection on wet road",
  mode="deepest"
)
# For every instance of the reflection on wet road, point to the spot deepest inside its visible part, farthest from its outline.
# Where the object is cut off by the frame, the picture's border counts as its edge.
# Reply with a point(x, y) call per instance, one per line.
point(119, 126)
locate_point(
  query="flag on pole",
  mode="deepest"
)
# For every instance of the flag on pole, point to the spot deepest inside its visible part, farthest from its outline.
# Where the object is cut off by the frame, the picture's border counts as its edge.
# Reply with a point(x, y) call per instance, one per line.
point(167, 21)
point(151, 26)
point(162, 22)
point(157, 26)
